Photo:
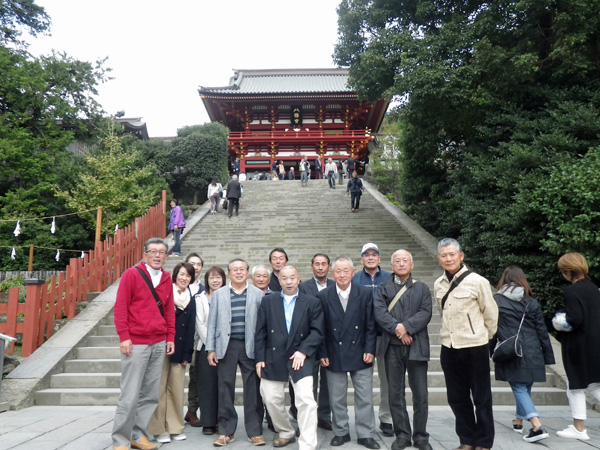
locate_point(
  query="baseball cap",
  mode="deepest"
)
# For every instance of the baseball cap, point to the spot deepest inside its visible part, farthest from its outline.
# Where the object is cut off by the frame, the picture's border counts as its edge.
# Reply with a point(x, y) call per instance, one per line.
point(369, 246)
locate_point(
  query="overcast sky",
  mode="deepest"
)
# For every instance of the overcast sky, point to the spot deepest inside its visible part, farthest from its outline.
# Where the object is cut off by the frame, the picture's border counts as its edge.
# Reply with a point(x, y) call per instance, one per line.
point(161, 52)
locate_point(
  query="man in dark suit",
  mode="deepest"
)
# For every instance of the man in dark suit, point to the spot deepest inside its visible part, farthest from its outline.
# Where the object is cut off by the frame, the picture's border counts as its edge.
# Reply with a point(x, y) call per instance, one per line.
point(349, 348)
point(403, 309)
point(278, 258)
point(234, 193)
point(320, 266)
point(288, 333)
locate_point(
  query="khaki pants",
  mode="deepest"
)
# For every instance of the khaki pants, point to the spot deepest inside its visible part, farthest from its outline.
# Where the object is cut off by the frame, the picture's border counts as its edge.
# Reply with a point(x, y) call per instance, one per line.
point(168, 417)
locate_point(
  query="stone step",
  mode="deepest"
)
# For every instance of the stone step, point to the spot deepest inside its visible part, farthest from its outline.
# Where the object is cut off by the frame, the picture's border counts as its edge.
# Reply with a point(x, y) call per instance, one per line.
point(437, 396)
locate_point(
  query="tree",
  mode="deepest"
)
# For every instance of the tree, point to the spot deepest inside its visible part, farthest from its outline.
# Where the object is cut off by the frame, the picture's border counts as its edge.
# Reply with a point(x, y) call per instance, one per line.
point(497, 97)
point(201, 153)
point(117, 179)
point(18, 14)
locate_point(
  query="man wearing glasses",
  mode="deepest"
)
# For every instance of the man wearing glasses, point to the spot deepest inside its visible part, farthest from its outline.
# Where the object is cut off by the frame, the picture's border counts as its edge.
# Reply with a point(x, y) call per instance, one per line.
point(372, 276)
point(145, 322)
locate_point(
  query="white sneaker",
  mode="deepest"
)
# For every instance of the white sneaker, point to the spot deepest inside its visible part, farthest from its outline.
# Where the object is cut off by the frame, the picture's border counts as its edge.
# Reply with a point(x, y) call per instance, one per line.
point(572, 433)
point(164, 438)
point(179, 437)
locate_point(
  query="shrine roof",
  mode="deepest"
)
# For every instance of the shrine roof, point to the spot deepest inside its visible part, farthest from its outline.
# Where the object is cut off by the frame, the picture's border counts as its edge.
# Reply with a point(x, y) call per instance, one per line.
point(282, 81)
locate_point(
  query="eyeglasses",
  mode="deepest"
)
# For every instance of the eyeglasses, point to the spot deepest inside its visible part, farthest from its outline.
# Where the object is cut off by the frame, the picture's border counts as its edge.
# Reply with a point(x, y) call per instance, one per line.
point(156, 252)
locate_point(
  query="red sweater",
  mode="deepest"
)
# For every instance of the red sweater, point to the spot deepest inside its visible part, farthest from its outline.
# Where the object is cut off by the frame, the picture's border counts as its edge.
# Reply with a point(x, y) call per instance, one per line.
point(137, 316)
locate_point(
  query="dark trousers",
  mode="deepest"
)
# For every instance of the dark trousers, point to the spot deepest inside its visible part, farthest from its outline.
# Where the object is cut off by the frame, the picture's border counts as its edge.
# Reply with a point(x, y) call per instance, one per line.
point(253, 407)
point(331, 179)
point(207, 387)
point(355, 199)
point(467, 373)
point(321, 397)
point(318, 174)
point(233, 202)
point(396, 366)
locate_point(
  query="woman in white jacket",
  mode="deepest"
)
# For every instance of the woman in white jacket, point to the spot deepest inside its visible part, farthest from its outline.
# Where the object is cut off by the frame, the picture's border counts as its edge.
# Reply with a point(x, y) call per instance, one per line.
point(214, 194)
point(206, 375)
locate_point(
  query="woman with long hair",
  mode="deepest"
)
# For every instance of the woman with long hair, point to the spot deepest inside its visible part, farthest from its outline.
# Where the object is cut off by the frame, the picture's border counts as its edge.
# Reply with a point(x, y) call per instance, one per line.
point(581, 345)
point(519, 312)
point(214, 194)
point(167, 422)
point(206, 375)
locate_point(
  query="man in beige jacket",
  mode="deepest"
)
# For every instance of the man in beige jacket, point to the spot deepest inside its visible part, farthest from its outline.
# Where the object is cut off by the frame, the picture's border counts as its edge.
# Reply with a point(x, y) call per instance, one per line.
point(469, 322)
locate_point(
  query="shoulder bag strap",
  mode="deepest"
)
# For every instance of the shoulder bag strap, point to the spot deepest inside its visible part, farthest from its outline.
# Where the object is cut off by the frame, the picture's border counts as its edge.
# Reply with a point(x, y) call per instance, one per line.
point(154, 294)
point(453, 285)
point(398, 295)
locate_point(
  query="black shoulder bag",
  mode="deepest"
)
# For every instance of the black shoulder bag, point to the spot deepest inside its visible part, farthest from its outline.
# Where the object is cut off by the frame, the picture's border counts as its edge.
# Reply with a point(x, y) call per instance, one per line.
point(510, 348)
point(453, 285)
point(154, 294)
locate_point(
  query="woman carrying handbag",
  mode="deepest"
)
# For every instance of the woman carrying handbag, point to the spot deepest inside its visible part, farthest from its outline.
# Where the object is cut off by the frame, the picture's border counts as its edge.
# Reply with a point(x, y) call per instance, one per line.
point(519, 312)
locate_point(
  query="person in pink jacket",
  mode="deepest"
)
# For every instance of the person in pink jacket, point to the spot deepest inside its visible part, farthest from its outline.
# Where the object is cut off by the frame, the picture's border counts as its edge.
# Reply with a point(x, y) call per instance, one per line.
point(176, 225)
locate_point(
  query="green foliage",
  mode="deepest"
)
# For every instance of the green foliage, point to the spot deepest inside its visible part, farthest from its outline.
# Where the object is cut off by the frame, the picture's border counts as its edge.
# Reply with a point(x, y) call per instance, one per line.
point(18, 14)
point(10, 283)
point(201, 153)
point(118, 179)
point(500, 122)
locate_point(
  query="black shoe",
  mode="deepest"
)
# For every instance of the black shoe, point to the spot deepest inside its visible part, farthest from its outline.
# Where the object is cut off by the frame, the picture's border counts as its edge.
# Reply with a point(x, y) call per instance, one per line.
point(400, 444)
point(536, 435)
point(339, 440)
point(325, 424)
point(387, 429)
point(422, 445)
point(368, 442)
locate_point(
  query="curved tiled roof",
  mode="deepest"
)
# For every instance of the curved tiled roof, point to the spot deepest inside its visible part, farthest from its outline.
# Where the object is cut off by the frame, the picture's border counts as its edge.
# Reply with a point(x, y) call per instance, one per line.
point(282, 81)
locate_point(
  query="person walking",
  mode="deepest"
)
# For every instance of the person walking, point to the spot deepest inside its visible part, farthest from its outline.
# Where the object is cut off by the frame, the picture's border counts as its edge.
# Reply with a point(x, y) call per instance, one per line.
point(215, 190)
point(355, 189)
point(176, 225)
point(167, 422)
point(234, 193)
point(304, 171)
point(318, 169)
point(331, 172)
point(206, 375)
point(519, 312)
point(145, 322)
point(581, 344)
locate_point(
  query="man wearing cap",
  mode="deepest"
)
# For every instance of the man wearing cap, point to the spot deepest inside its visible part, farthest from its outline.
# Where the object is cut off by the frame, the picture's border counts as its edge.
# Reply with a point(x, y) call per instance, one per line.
point(372, 276)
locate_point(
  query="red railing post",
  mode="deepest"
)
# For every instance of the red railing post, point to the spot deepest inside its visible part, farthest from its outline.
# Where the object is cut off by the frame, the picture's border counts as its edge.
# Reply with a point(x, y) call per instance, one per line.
point(33, 302)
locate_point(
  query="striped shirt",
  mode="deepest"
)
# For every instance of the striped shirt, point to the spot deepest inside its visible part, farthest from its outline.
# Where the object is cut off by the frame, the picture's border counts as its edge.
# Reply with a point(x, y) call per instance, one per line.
point(238, 314)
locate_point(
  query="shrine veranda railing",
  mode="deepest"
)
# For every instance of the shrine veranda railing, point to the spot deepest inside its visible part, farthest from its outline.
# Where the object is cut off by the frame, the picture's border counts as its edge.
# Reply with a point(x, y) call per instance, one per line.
point(47, 301)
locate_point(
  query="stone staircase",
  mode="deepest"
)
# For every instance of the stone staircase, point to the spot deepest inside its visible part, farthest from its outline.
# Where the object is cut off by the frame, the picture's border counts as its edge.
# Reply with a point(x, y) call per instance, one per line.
point(304, 221)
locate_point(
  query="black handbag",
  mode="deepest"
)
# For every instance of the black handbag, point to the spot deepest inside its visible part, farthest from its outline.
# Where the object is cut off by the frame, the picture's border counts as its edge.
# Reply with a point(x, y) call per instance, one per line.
point(511, 348)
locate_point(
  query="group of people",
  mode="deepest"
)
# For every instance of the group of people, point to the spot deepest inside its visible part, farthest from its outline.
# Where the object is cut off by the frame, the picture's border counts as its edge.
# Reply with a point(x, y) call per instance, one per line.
point(309, 336)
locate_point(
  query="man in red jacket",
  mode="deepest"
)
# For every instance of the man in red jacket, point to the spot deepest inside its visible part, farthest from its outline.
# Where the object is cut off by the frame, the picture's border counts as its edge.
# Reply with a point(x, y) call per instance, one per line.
point(145, 322)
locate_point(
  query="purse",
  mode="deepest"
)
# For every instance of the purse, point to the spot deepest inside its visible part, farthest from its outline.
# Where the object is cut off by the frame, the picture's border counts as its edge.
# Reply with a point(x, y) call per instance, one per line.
point(511, 348)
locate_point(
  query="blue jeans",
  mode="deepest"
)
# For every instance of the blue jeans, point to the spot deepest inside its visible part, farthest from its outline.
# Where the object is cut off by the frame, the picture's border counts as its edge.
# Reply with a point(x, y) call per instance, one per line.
point(525, 407)
point(177, 245)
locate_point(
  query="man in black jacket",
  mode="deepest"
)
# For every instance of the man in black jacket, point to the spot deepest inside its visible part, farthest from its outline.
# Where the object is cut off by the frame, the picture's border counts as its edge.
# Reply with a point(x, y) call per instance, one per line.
point(288, 333)
point(403, 308)
point(234, 193)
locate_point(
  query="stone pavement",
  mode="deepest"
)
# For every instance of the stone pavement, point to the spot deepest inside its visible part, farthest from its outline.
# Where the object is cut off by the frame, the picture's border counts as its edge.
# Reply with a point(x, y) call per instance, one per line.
point(88, 428)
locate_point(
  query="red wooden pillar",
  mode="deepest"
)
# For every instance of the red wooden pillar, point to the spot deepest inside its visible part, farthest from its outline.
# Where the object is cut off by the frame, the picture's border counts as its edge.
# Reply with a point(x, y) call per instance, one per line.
point(33, 302)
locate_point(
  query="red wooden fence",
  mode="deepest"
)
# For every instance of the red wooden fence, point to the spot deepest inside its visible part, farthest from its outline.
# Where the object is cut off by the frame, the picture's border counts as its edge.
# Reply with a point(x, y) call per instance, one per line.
point(49, 301)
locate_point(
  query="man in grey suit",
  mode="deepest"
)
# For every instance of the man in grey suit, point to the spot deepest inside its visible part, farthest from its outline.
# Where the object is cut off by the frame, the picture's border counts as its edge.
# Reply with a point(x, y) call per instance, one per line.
point(229, 343)
point(320, 266)
point(403, 309)
point(349, 348)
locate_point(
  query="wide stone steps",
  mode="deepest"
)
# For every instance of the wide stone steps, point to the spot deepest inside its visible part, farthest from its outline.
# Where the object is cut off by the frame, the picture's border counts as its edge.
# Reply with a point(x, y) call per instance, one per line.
point(303, 221)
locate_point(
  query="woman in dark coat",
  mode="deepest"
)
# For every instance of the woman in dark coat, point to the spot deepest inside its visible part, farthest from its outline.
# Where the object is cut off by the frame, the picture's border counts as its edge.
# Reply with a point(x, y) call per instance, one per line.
point(581, 346)
point(515, 302)
point(167, 422)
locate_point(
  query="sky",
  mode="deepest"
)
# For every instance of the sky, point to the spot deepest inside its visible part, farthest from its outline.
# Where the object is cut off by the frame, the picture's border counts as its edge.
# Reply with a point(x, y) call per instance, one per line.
point(161, 52)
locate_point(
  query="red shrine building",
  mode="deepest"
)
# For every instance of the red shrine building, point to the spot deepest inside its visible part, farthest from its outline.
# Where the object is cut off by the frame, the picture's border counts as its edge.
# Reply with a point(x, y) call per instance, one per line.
point(286, 114)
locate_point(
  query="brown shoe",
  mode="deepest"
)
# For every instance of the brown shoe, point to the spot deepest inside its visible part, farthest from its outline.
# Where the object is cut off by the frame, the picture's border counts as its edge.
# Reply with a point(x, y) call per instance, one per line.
point(465, 447)
point(192, 418)
point(121, 447)
point(143, 444)
point(282, 442)
point(257, 441)
point(223, 440)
